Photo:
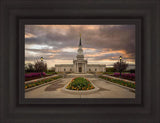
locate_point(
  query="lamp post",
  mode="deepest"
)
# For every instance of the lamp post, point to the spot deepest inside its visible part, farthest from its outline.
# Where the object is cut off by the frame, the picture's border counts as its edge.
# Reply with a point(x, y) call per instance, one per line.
point(42, 59)
point(42, 66)
point(120, 64)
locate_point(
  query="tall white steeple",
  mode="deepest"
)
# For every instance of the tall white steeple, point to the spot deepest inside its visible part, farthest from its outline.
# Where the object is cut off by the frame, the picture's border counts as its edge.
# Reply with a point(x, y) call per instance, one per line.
point(80, 55)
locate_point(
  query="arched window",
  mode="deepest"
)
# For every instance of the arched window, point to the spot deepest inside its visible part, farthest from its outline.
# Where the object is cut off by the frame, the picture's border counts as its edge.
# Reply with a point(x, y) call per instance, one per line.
point(70, 69)
point(89, 69)
point(96, 69)
point(64, 69)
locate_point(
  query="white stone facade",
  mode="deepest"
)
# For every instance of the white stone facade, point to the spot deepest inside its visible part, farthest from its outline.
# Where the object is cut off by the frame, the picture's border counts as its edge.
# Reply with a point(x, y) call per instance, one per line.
point(64, 68)
point(80, 64)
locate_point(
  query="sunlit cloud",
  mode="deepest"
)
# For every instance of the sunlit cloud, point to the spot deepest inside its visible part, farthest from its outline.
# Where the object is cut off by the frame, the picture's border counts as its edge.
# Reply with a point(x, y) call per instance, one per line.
point(69, 49)
point(29, 35)
point(37, 46)
point(58, 44)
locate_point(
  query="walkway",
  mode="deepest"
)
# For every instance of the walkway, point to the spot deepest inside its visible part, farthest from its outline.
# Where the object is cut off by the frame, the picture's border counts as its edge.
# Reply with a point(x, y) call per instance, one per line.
point(106, 90)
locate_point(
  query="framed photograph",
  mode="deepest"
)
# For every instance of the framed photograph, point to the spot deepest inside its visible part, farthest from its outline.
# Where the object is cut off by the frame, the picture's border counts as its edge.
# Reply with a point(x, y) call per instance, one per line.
point(77, 69)
point(57, 67)
point(93, 61)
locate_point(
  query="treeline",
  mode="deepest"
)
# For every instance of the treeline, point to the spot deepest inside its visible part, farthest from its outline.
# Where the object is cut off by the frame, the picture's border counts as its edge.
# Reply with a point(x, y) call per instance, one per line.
point(38, 66)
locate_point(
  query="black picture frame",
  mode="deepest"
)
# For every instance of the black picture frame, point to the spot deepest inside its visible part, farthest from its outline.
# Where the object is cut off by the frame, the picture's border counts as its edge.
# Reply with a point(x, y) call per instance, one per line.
point(16, 13)
point(134, 21)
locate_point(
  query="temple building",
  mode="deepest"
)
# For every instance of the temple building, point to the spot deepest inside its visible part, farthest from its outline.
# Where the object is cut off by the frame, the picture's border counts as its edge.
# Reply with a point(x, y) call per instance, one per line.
point(80, 65)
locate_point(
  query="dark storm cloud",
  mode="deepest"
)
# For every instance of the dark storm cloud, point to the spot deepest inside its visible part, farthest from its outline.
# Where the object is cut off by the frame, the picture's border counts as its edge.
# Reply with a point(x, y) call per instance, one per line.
point(41, 50)
point(107, 56)
point(65, 56)
point(119, 37)
point(114, 37)
point(49, 54)
point(55, 39)
point(103, 38)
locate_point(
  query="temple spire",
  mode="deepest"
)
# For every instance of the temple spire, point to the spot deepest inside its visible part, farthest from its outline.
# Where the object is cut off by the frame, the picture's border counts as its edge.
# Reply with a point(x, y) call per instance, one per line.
point(80, 44)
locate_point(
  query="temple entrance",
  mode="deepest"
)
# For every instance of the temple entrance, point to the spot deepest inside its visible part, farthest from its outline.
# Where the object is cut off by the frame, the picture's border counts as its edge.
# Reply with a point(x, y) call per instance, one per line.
point(80, 69)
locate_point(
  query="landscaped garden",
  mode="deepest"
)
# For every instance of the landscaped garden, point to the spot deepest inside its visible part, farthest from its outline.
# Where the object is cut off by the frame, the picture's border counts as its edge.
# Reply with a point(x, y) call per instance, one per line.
point(51, 73)
point(80, 83)
point(118, 81)
point(129, 76)
point(36, 75)
point(39, 82)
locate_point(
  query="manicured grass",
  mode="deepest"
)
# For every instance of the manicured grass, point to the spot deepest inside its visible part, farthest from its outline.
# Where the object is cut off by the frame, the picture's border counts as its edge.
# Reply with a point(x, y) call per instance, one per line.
point(39, 82)
point(51, 73)
point(121, 82)
point(109, 73)
point(112, 73)
point(80, 83)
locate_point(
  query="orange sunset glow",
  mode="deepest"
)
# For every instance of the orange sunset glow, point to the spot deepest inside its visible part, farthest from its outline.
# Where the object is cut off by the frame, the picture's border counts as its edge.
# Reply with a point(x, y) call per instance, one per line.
point(58, 44)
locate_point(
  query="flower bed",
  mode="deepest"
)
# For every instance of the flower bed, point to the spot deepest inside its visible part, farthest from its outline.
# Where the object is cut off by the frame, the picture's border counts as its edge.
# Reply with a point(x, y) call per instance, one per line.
point(129, 76)
point(27, 75)
point(32, 76)
point(39, 82)
point(121, 82)
point(80, 83)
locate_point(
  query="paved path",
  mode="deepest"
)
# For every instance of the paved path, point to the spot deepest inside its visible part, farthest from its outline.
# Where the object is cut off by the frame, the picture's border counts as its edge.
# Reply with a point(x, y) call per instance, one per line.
point(106, 90)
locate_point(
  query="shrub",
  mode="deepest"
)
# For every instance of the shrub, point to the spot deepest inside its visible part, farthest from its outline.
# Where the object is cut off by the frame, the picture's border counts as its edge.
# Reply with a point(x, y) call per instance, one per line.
point(132, 71)
point(110, 69)
point(28, 75)
point(129, 76)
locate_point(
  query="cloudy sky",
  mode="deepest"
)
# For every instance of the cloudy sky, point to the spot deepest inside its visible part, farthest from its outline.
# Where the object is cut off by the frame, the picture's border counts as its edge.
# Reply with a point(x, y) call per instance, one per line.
point(58, 44)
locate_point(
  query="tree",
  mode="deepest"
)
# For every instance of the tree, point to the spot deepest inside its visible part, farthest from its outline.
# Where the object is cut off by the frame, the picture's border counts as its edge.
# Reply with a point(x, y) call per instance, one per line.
point(29, 67)
point(120, 66)
point(40, 66)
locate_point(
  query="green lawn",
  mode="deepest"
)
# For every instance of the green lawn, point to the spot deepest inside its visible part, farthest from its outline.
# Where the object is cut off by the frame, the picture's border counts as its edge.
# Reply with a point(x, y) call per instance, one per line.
point(111, 73)
point(51, 73)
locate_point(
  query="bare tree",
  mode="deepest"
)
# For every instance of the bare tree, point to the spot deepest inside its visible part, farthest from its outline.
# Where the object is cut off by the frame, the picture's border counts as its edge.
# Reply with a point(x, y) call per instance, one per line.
point(40, 66)
point(120, 66)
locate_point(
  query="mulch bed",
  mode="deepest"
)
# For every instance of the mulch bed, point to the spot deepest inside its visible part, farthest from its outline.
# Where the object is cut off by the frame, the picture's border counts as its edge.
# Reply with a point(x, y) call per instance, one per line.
point(35, 77)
